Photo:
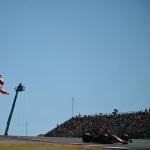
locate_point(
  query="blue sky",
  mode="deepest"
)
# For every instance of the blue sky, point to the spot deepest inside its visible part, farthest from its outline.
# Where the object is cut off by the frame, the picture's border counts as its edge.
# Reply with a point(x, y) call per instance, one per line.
point(97, 51)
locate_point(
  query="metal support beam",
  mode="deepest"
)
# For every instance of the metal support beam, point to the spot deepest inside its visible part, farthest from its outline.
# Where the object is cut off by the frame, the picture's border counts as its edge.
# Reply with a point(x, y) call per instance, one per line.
point(19, 88)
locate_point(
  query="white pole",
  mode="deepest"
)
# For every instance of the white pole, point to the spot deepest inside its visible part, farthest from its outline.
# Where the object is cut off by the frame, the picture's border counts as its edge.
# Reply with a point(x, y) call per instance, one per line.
point(73, 100)
point(26, 128)
point(72, 107)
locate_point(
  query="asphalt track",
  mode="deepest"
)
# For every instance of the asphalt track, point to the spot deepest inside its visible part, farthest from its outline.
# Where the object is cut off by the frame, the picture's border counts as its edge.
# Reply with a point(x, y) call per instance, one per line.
point(140, 144)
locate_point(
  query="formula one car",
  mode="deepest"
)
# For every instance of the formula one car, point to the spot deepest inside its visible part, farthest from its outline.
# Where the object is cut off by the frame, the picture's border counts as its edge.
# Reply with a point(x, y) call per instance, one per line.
point(105, 138)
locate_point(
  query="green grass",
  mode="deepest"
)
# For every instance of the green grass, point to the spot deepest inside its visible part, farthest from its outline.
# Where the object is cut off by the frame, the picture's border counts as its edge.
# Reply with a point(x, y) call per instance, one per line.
point(43, 147)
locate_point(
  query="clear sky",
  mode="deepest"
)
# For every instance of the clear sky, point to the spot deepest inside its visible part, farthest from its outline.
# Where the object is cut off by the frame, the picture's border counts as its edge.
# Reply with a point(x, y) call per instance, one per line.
point(97, 51)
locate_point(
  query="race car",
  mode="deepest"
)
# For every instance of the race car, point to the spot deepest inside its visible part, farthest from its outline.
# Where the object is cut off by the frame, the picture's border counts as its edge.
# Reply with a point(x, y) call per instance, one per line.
point(105, 138)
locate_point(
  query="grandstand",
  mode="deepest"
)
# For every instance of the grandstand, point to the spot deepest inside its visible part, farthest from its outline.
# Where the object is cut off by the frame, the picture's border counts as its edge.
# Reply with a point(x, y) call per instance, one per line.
point(135, 124)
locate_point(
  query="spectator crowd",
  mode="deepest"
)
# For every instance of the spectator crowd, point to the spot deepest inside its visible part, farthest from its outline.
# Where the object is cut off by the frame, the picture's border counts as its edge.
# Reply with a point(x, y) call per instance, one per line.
point(135, 124)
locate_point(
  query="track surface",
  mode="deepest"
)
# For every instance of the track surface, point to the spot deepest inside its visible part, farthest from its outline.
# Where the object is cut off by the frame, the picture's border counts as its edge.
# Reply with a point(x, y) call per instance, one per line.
point(135, 145)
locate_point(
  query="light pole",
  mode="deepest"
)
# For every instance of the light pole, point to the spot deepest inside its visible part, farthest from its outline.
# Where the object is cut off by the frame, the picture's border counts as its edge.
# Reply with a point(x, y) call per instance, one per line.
point(73, 99)
point(19, 88)
point(26, 128)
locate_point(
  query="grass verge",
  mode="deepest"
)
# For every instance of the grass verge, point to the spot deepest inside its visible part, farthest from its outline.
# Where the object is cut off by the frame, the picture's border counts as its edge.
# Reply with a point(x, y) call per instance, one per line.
point(44, 147)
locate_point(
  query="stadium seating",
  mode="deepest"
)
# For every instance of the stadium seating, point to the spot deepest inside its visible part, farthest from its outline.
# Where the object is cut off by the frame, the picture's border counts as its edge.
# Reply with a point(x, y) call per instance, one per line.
point(135, 124)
